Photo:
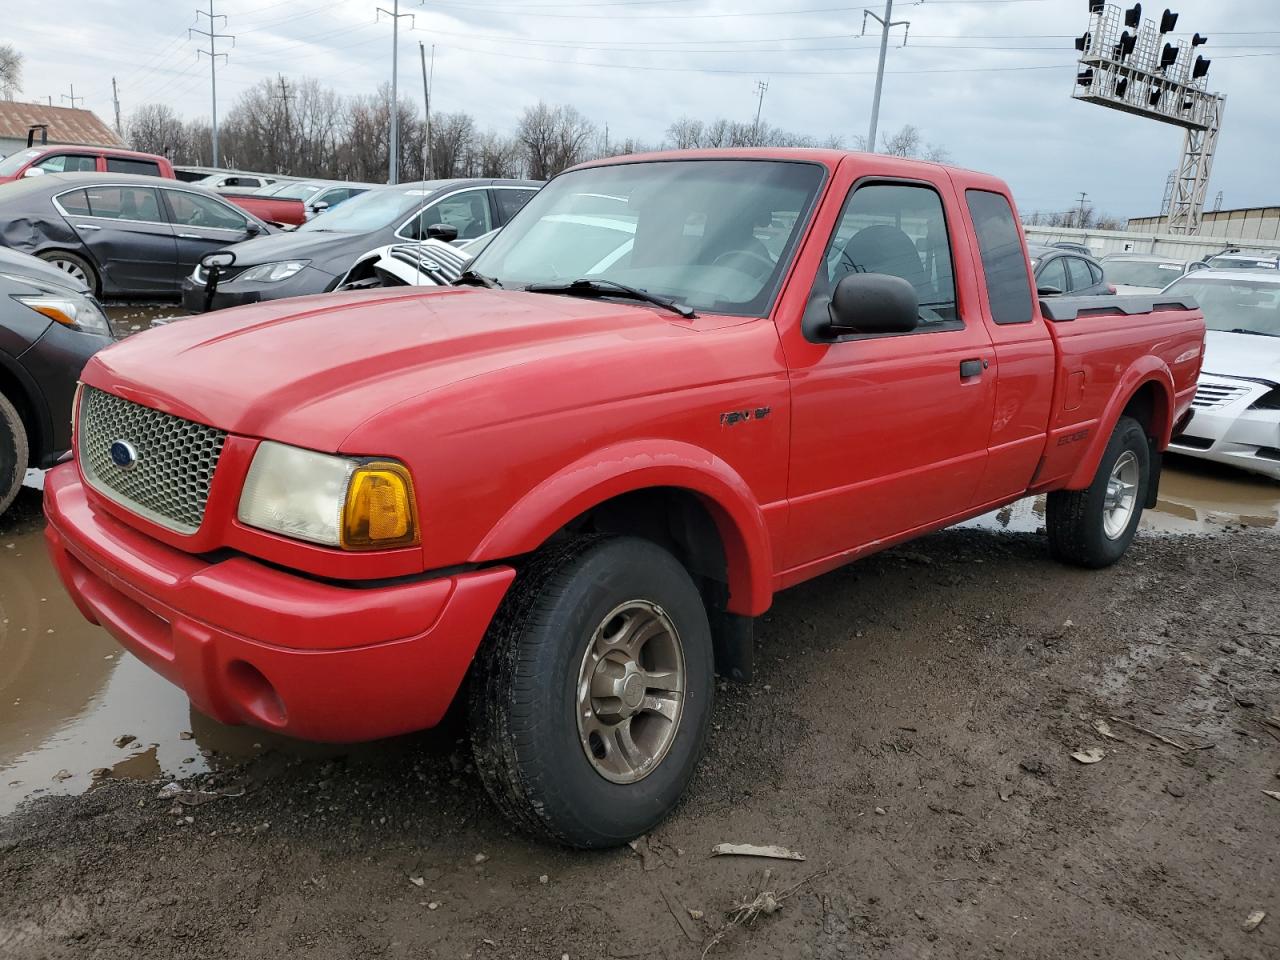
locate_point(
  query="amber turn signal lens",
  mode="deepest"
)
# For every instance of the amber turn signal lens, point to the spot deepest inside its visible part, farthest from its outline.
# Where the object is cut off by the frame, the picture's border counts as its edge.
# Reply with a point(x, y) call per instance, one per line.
point(380, 511)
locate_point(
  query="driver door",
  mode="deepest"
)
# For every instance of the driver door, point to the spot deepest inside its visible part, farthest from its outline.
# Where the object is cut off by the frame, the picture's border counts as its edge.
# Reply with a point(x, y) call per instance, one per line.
point(202, 225)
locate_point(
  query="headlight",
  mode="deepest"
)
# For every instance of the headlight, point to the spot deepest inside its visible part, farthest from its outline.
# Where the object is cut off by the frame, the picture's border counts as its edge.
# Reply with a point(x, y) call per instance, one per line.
point(273, 272)
point(70, 309)
point(333, 501)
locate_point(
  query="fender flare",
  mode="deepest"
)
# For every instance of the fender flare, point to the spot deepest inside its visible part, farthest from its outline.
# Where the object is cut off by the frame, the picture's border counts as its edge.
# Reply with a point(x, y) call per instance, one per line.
point(640, 465)
point(1146, 369)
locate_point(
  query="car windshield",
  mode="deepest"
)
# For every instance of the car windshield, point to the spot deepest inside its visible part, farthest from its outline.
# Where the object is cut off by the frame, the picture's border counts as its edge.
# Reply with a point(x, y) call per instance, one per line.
point(1142, 273)
point(1234, 306)
point(1242, 263)
point(298, 191)
point(15, 161)
point(716, 235)
point(370, 211)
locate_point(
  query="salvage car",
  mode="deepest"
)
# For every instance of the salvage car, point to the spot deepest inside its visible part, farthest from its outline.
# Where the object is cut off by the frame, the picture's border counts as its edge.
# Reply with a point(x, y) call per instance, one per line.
point(1145, 273)
point(1059, 271)
point(65, 158)
point(50, 326)
point(120, 235)
point(1237, 404)
point(319, 517)
point(315, 257)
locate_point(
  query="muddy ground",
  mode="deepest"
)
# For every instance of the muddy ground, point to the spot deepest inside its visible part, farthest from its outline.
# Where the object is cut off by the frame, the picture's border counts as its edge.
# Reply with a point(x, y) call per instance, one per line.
point(910, 732)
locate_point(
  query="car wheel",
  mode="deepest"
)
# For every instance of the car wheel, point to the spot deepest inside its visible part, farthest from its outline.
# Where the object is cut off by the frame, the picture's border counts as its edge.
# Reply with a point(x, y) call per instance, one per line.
point(1094, 527)
point(13, 453)
point(74, 266)
point(592, 695)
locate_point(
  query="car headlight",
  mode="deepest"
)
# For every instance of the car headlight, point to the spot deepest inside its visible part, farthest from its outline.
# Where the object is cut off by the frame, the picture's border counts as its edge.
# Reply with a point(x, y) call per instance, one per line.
point(273, 272)
point(71, 309)
point(333, 501)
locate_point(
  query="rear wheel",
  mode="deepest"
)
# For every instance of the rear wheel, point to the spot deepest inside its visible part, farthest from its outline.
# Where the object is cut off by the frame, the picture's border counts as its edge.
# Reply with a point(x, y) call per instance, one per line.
point(1094, 527)
point(13, 453)
point(73, 266)
point(592, 698)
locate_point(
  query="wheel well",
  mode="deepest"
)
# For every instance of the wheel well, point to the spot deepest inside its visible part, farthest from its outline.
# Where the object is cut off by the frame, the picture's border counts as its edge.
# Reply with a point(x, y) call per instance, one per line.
point(95, 275)
point(679, 521)
point(13, 391)
point(1149, 408)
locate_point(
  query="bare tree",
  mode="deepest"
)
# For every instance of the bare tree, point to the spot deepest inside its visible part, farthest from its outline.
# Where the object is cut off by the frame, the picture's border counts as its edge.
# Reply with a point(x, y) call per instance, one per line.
point(537, 134)
point(156, 128)
point(10, 71)
point(907, 142)
point(498, 156)
point(453, 138)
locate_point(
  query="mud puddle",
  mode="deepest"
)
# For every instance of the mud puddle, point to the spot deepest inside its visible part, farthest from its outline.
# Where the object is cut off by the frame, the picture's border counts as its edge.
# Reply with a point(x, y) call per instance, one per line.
point(67, 691)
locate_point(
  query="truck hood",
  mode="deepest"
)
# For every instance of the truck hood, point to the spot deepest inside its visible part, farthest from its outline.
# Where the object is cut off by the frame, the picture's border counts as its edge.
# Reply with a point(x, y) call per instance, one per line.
point(309, 371)
point(1242, 355)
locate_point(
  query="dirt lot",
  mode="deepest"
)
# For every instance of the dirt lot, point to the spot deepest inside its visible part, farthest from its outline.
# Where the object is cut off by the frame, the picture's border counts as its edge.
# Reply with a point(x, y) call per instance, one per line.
point(910, 732)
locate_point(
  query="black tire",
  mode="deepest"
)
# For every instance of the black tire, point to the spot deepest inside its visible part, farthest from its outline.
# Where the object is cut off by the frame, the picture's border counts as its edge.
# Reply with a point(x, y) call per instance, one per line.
point(1075, 518)
point(524, 696)
point(13, 453)
point(63, 259)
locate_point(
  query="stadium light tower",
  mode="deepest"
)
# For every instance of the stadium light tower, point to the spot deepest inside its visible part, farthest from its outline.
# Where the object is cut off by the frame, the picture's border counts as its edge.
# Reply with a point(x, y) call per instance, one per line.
point(1137, 66)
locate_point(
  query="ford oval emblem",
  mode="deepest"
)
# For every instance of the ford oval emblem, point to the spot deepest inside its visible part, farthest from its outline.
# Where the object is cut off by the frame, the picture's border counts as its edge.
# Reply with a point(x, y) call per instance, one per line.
point(124, 454)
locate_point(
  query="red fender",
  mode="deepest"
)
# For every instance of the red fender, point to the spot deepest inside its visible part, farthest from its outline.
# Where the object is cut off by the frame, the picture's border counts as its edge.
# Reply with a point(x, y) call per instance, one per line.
point(638, 465)
point(1146, 369)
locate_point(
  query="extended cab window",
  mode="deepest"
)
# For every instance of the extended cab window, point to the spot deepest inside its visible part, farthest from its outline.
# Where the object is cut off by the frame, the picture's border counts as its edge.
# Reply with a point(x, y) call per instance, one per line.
point(900, 230)
point(146, 168)
point(1003, 259)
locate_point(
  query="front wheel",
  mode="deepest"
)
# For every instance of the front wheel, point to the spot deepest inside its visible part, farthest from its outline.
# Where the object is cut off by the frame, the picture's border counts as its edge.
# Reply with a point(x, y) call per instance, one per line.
point(592, 695)
point(1094, 527)
point(13, 453)
point(75, 267)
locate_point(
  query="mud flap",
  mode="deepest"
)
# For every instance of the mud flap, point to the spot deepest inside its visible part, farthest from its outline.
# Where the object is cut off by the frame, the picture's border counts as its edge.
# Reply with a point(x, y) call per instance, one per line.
point(733, 638)
point(1153, 482)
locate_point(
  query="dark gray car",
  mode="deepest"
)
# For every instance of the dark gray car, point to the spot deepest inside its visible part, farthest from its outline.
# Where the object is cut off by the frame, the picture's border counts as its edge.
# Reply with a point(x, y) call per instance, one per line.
point(50, 326)
point(316, 256)
point(120, 235)
point(1060, 271)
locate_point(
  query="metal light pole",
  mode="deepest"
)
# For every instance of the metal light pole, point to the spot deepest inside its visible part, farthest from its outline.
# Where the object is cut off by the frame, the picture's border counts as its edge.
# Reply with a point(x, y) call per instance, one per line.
point(887, 23)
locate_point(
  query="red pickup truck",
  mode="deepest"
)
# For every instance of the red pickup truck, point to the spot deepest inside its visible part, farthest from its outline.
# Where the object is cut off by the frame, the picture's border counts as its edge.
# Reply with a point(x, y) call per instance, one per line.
point(277, 211)
point(672, 386)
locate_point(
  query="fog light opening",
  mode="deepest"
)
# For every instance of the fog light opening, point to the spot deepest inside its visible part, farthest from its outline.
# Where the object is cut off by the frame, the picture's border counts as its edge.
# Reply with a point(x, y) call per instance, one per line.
point(255, 695)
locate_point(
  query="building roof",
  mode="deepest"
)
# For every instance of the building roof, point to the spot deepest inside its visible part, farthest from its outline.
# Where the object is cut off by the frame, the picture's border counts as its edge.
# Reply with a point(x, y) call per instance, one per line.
point(66, 124)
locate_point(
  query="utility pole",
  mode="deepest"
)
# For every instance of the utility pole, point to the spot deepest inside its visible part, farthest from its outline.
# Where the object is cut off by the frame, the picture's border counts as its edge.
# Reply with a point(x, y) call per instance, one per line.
point(393, 165)
point(1083, 198)
point(284, 96)
point(213, 55)
point(72, 97)
point(887, 23)
point(115, 99)
point(762, 87)
point(426, 103)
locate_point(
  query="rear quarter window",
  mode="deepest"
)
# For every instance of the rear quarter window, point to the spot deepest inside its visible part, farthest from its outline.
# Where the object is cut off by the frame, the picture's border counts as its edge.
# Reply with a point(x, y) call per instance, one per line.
point(147, 168)
point(1003, 259)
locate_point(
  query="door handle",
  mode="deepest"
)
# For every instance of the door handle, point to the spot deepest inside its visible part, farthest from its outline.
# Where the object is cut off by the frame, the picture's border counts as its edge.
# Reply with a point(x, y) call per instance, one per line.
point(86, 226)
point(189, 236)
point(972, 368)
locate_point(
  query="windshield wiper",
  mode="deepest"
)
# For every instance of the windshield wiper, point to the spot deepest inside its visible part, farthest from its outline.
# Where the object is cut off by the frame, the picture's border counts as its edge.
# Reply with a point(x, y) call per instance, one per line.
point(469, 278)
point(1255, 333)
point(611, 288)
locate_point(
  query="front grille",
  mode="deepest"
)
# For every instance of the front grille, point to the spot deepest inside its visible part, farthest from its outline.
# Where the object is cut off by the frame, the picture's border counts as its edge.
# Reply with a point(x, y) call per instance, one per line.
point(169, 479)
point(1217, 394)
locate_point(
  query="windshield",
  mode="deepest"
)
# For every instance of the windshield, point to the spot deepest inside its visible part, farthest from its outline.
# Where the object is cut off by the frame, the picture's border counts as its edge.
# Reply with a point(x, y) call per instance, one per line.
point(15, 162)
point(1142, 273)
point(1249, 306)
point(374, 210)
point(1242, 263)
point(716, 235)
point(298, 191)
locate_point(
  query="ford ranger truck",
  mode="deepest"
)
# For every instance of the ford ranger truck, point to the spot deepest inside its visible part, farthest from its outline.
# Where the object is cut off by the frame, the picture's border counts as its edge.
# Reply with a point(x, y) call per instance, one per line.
point(672, 386)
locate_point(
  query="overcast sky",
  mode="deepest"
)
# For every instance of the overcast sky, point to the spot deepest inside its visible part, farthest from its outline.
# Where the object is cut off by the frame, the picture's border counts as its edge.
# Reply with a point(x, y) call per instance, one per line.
point(990, 80)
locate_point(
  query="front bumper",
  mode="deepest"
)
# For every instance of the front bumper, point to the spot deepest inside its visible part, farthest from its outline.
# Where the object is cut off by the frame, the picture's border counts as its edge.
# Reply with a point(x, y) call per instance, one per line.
point(1228, 430)
point(252, 644)
point(238, 293)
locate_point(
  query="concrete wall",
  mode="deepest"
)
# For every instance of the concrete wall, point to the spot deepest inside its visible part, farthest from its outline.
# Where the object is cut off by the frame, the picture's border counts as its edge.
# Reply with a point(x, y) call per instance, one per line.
point(1253, 223)
point(1173, 246)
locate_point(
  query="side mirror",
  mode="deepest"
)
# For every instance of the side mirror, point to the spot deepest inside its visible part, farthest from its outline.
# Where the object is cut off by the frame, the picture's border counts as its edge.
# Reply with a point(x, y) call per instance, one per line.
point(873, 303)
point(320, 206)
point(33, 172)
point(442, 231)
point(222, 259)
point(252, 229)
point(1048, 291)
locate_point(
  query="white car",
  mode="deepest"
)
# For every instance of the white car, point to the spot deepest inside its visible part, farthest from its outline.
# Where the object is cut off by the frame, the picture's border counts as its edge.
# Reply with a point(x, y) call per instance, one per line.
point(1237, 403)
point(1245, 261)
point(1143, 273)
point(431, 263)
